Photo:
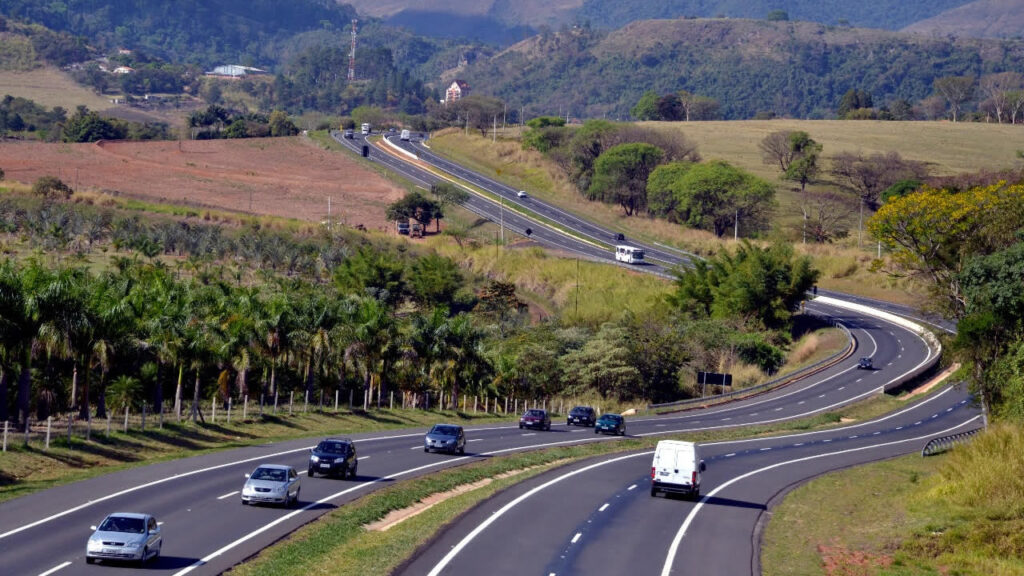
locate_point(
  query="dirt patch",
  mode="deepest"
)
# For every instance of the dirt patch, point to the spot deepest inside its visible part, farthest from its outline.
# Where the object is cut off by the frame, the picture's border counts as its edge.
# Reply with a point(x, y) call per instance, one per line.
point(838, 560)
point(396, 517)
point(290, 177)
point(932, 383)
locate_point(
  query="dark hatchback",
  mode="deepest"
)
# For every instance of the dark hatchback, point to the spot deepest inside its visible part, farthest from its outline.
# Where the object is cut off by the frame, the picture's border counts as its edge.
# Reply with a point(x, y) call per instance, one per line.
point(610, 424)
point(535, 418)
point(581, 416)
point(334, 457)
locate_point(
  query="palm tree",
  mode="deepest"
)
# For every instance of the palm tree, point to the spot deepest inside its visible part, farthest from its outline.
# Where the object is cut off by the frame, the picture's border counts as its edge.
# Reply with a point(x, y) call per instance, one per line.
point(374, 343)
point(311, 335)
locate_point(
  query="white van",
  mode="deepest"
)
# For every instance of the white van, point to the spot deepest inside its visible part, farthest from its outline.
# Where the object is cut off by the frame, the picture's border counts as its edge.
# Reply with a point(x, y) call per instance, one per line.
point(677, 468)
point(405, 135)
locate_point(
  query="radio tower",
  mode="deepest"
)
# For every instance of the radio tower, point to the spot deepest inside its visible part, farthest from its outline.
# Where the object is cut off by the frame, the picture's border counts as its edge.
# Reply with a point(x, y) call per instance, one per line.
point(352, 54)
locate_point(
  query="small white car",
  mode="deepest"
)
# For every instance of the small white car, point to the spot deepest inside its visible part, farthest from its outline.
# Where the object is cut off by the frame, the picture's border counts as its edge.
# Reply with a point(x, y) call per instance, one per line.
point(271, 484)
point(521, 194)
point(124, 536)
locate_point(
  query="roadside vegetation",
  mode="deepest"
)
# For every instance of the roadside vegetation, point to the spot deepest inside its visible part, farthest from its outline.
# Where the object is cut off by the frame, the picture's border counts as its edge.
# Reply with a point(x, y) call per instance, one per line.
point(961, 512)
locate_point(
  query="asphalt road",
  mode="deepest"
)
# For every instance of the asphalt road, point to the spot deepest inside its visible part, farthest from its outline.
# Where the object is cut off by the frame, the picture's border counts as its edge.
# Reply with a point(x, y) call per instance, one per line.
point(206, 529)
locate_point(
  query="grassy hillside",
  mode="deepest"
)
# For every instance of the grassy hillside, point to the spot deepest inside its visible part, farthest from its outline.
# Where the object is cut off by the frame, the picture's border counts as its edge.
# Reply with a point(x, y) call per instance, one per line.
point(959, 513)
point(948, 149)
point(50, 87)
point(980, 19)
point(795, 69)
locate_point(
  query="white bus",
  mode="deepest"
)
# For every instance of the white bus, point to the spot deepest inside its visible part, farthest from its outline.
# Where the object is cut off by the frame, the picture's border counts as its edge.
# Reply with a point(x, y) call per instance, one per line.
point(365, 128)
point(629, 254)
point(405, 135)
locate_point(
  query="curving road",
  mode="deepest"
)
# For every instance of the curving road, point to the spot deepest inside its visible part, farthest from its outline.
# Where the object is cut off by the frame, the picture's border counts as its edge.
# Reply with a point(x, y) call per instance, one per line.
point(207, 530)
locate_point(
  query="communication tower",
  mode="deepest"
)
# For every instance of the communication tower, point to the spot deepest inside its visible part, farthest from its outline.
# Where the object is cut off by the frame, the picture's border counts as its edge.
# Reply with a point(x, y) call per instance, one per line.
point(352, 54)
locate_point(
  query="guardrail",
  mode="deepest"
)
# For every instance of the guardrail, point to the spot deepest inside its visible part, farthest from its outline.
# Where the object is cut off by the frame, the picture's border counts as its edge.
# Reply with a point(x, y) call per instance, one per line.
point(771, 384)
point(943, 443)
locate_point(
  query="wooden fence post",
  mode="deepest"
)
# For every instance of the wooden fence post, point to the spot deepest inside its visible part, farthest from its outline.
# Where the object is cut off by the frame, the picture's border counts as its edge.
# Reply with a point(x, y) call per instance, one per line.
point(48, 421)
point(245, 407)
point(229, 410)
point(125, 418)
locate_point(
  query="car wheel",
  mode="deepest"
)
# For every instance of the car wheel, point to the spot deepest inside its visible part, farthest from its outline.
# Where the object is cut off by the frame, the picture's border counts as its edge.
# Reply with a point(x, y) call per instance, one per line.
point(425, 449)
point(520, 426)
point(462, 450)
point(596, 431)
point(245, 502)
point(145, 556)
point(654, 491)
point(311, 473)
point(548, 427)
point(352, 471)
point(158, 549)
point(89, 560)
point(622, 432)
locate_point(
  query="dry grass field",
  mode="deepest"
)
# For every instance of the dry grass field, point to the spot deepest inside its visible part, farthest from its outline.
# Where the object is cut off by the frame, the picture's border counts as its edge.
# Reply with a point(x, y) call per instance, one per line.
point(288, 177)
point(50, 87)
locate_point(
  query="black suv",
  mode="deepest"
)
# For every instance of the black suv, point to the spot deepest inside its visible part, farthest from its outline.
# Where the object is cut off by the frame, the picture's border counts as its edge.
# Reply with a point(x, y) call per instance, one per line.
point(581, 416)
point(334, 457)
point(865, 363)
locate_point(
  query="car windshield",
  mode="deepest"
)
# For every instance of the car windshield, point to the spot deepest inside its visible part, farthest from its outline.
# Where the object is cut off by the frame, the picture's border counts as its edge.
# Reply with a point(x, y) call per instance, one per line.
point(445, 430)
point(269, 474)
point(580, 410)
point(123, 524)
point(333, 447)
point(611, 418)
point(537, 413)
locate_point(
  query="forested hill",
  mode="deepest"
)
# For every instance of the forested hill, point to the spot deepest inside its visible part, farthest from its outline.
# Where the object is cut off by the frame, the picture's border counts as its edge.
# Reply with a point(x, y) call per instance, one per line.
point(788, 68)
point(885, 14)
point(979, 19)
point(204, 32)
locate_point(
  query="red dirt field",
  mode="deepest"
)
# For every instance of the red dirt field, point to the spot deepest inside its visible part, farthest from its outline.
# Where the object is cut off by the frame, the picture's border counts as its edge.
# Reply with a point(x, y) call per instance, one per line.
point(289, 177)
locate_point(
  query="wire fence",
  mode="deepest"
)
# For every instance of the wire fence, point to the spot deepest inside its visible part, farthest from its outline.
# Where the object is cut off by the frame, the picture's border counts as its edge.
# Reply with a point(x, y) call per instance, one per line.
point(65, 429)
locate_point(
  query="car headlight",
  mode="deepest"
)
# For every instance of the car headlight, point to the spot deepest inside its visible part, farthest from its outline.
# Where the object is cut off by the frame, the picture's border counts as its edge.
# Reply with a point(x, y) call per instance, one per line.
point(314, 459)
point(95, 544)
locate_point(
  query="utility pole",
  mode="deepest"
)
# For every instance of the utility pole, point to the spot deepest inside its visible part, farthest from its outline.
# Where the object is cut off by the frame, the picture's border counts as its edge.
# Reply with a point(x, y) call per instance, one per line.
point(501, 200)
point(328, 213)
point(494, 129)
point(736, 227)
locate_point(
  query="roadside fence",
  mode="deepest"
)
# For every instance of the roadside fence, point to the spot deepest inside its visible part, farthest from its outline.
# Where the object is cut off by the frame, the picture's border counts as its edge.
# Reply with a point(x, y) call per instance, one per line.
point(943, 443)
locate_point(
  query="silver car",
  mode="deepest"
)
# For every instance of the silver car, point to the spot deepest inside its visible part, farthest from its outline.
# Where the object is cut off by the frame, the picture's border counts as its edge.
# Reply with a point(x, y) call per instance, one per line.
point(271, 484)
point(125, 536)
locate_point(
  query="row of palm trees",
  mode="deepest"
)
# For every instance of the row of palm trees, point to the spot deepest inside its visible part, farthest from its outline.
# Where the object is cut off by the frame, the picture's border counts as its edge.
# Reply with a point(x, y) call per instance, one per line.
point(67, 334)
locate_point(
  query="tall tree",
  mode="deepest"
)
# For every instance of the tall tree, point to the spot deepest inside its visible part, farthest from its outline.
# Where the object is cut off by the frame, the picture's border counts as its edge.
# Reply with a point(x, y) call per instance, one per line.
point(717, 196)
point(956, 90)
point(620, 175)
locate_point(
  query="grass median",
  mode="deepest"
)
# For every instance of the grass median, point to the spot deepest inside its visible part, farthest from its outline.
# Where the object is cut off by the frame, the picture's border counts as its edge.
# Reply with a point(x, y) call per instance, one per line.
point(340, 543)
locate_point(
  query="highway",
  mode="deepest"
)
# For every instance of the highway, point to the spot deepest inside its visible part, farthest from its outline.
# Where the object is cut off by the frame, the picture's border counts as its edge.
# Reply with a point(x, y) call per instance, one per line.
point(206, 529)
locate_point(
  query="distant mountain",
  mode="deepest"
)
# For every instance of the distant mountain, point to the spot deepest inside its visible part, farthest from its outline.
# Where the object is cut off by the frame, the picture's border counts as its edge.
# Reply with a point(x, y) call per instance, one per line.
point(981, 19)
point(203, 32)
point(447, 17)
point(797, 69)
point(884, 14)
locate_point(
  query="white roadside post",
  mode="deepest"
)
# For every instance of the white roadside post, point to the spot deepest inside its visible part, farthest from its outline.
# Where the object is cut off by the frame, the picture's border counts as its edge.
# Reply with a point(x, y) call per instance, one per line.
point(48, 422)
point(245, 407)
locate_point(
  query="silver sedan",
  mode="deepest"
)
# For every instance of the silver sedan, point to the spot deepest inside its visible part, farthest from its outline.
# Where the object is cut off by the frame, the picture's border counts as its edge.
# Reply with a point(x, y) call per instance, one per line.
point(125, 536)
point(271, 484)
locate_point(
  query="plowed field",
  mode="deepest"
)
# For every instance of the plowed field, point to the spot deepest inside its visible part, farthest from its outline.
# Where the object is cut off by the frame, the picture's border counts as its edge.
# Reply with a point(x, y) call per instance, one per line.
point(274, 176)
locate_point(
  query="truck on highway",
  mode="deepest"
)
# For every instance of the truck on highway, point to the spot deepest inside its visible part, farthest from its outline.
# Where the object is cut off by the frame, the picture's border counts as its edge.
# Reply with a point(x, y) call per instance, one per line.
point(629, 254)
point(366, 128)
point(676, 469)
point(405, 135)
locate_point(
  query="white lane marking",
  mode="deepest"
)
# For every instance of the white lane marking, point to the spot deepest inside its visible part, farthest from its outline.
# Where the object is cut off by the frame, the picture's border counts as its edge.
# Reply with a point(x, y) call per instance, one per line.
point(361, 458)
point(916, 423)
point(176, 477)
point(876, 433)
point(674, 548)
point(530, 434)
point(55, 568)
point(303, 472)
point(842, 387)
point(504, 509)
point(859, 379)
point(415, 447)
point(603, 507)
point(577, 537)
point(800, 402)
point(476, 439)
point(753, 413)
point(660, 425)
point(821, 396)
point(228, 495)
point(730, 455)
point(854, 436)
point(899, 427)
point(777, 409)
point(726, 419)
point(763, 449)
point(312, 505)
point(633, 487)
point(798, 444)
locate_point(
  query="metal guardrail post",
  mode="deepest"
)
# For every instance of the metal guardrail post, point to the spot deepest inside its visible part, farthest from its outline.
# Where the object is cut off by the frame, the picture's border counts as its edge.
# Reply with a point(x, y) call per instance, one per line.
point(943, 443)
